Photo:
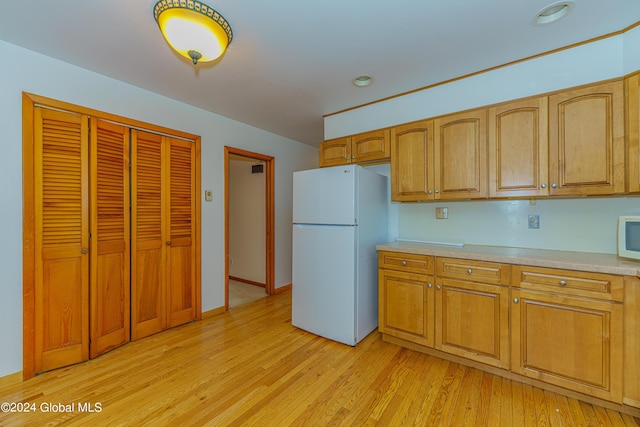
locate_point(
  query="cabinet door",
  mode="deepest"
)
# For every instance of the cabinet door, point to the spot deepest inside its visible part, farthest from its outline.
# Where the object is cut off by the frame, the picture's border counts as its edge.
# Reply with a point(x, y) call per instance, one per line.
point(412, 162)
point(405, 306)
point(518, 149)
point(61, 238)
point(571, 342)
point(632, 95)
point(586, 141)
point(335, 152)
point(148, 245)
point(181, 199)
point(472, 321)
point(110, 224)
point(460, 142)
point(370, 146)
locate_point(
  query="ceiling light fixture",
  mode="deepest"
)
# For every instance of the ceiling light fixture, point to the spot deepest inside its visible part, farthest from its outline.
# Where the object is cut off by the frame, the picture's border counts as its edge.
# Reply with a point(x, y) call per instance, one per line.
point(193, 29)
point(362, 81)
point(553, 12)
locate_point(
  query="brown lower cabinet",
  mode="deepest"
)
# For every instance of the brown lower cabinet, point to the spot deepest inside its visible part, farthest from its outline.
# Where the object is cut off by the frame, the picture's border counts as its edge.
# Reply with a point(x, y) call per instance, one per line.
point(561, 327)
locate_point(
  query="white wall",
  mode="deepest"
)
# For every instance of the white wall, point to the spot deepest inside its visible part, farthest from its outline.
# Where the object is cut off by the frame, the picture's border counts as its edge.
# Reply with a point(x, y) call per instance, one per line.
point(247, 222)
point(565, 224)
point(24, 70)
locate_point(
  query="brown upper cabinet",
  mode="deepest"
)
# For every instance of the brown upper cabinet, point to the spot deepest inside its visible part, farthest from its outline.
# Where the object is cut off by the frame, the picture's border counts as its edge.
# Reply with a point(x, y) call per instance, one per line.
point(632, 90)
point(365, 147)
point(460, 153)
point(518, 149)
point(586, 140)
point(444, 158)
point(412, 162)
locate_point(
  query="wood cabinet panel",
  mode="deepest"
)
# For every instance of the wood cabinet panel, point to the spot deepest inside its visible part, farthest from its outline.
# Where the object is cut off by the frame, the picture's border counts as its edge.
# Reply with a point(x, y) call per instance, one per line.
point(478, 271)
point(460, 152)
point(472, 320)
point(586, 140)
point(406, 304)
point(411, 263)
point(335, 152)
point(518, 148)
point(632, 124)
point(110, 231)
point(632, 342)
point(361, 148)
point(567, 341)
point(412, 162)
point(570, 282)
point(370, 146)
point(61, 239)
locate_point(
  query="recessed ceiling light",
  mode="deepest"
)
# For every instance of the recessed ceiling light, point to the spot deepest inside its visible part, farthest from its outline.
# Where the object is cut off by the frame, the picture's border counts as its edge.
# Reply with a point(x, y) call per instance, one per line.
point(553, 12)
point(363, 81)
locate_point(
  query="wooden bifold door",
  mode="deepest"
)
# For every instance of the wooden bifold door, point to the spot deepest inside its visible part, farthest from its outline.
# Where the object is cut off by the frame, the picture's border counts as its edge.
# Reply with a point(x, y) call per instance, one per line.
point(111, 247)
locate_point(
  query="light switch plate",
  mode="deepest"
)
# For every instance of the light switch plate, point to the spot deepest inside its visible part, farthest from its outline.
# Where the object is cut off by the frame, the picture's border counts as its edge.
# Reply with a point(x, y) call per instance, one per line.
point(534, 221)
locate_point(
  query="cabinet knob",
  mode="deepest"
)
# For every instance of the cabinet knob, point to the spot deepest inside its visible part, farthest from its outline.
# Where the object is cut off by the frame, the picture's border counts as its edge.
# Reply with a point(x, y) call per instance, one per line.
point(469, 271)
point(438, 287)
point(543, 185)
point(554, 185)
point(353, 157)
point(516, 300)
point(404, 262)
point(563, 283)
point(430, 191)
point(437, 191)
point(168, 243)
point(430, 286)
point(84, 251)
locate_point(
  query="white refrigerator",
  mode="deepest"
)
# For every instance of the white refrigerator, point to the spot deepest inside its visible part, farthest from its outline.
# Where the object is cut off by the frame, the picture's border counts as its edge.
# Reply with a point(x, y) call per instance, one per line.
point(339, 216)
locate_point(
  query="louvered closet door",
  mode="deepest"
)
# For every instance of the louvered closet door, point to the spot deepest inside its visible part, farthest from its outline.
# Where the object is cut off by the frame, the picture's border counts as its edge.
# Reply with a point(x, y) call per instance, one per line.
point(61, 239)
point(148, 253)
point(181, 232)
point(110, 258)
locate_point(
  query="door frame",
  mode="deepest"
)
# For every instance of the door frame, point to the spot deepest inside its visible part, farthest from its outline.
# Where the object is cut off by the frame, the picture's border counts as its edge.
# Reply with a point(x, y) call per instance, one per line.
point(269, 162)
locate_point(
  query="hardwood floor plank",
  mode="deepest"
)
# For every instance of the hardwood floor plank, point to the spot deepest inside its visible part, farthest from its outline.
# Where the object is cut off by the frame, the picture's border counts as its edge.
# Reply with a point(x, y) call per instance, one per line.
point(249, 366)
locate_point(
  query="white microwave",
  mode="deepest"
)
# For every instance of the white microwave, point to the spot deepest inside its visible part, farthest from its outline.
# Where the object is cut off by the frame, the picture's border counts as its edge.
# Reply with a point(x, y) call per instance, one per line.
point(629, 236)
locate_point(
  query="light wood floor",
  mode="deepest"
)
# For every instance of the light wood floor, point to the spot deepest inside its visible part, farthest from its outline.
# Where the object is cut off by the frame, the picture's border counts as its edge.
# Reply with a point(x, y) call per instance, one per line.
point(249, 366)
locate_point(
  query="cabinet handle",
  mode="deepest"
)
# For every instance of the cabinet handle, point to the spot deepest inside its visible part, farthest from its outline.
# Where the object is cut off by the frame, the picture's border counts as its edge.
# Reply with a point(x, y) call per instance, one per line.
point(563, 283)
point(469, 271)
point(168, 243)
point(554, 185)
point(516, 300)
point(84, 251)
point(438, 287)
point(543, 185)
point(429, 286)
point(404, 262)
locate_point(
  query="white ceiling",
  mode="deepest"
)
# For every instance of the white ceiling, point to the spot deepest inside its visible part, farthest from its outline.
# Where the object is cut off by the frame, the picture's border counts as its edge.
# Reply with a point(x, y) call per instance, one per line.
point(292, 61)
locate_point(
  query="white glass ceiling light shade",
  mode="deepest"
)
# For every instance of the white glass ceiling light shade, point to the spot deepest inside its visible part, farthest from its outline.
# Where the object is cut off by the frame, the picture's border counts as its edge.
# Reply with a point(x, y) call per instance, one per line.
point(553, 12)
point(193, 29)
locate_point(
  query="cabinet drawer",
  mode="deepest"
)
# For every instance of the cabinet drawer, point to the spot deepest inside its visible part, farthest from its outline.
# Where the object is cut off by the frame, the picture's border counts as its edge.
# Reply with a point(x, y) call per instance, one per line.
point(411, 263)
point(476, 271)
point(580, 283)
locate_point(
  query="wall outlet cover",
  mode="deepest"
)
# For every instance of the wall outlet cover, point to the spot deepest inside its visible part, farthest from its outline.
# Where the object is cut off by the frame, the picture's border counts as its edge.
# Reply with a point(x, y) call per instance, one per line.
point(534, 221)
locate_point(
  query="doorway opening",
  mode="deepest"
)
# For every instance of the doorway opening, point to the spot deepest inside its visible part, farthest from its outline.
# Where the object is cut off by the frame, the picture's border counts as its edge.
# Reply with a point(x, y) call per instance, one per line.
point(264, 239)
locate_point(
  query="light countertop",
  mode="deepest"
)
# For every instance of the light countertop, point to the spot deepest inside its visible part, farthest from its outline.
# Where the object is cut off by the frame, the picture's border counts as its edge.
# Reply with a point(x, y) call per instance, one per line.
point(582, 261)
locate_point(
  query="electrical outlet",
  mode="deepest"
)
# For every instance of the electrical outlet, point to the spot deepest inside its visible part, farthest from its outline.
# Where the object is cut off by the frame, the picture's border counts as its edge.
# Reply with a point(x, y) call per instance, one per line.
point(442, 213)
point(534, 221)
point(208, 195)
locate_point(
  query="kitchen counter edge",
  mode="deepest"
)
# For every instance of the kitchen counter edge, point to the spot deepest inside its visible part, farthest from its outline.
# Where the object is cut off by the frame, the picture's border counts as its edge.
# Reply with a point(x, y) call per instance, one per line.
point(568, 260)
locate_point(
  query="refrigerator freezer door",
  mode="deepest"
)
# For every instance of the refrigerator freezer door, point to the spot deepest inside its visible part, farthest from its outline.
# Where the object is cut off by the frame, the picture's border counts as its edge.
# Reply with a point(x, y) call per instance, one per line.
point(324, 277)
point(325, 196)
